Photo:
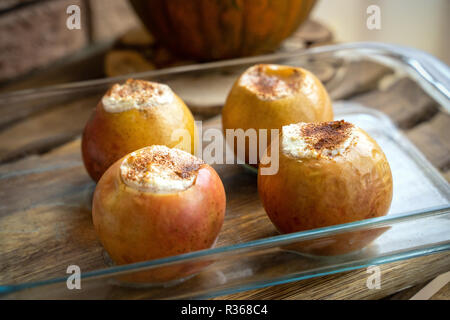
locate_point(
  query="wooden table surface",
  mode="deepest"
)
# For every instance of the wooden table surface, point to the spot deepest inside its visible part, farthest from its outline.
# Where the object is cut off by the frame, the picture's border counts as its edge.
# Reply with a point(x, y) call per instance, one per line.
point(29, 137)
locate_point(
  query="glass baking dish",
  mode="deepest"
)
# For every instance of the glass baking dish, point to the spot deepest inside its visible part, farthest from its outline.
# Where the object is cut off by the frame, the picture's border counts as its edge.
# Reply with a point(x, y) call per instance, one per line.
point(36, 247)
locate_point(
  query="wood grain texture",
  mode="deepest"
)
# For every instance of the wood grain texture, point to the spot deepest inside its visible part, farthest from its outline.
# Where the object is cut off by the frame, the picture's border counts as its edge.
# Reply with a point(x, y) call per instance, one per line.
point(9, 4)
point(35, 35)
point(47, 183)
point(43, 131)
point(404, 102)
point(409, 293)
point(86, 64)
point(40, 228)
point(356, 77)
point(406, 294)
point(443, 294)
point(352, 285)
point(433, 138)
point(43, 233)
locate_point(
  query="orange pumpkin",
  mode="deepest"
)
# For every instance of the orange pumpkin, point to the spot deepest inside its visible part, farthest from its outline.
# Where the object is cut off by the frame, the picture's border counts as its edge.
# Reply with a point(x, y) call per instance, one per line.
point(220, 29)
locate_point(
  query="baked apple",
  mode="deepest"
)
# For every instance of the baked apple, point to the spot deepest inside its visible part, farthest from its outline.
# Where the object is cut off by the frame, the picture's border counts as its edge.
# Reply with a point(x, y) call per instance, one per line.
point(268, 96)
point(158, 202)
point(131, 116)
point(329, 173)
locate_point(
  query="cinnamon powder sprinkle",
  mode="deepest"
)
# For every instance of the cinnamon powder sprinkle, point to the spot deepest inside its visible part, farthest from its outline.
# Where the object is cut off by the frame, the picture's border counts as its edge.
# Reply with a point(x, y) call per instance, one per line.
point(269, 86)
point(140, 90)
point(326, 135)
point(181, 164)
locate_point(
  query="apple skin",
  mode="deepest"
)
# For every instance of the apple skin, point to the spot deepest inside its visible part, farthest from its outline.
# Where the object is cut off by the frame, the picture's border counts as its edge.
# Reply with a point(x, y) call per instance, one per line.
point(313, 193)
point(136, 226)
point(245, 110)
point(108, 136)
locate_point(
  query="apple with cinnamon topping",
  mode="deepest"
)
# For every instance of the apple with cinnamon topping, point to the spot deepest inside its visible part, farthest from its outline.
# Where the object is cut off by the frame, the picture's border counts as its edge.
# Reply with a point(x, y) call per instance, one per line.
point(329, 173)
point(131, 116)
point(158, 202)
point(268, 96)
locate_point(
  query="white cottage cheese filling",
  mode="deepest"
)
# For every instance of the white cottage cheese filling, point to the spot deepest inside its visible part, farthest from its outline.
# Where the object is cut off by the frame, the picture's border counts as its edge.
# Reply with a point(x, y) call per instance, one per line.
point(136, 94)
point(315, 140)
point(159, 169)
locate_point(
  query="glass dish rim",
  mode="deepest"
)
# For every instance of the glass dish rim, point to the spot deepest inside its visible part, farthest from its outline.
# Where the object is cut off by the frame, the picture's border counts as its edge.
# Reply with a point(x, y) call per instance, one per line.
point(432, 74)
point(427, 76)
point(282, 239)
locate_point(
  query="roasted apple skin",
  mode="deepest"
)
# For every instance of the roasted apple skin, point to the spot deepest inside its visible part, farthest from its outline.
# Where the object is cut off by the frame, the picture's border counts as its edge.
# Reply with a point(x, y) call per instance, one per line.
point(108, 136)
point(135, 226)
point(313, 193)
point(261, 109)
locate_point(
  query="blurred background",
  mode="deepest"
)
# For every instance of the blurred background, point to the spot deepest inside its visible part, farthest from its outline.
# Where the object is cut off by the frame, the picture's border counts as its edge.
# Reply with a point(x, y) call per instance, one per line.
point(422, 24)
point(112, 40)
